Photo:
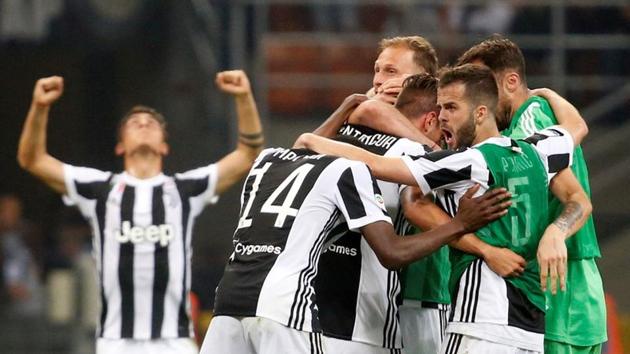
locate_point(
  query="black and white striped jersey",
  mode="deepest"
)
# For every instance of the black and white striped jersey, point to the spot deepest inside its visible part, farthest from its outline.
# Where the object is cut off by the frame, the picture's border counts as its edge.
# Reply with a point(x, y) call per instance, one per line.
point(290, 203)
point(142, 230)
point(357, 297)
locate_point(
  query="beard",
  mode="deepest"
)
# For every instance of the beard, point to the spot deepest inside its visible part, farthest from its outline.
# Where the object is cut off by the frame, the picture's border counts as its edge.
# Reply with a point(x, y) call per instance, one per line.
point(466, 133)
point(504, 116)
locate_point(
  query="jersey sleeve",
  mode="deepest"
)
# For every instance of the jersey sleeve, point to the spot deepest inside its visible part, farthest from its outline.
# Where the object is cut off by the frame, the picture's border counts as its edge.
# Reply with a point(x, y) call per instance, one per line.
point(555, 148)
point(413, 149)
point(201, 183)
point(83, 185)
point(359, 198)
point(449, 170)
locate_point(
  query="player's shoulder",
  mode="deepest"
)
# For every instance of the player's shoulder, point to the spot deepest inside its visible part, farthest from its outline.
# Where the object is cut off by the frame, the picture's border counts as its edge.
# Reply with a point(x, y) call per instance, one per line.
point(88, 173)
point(408, 147)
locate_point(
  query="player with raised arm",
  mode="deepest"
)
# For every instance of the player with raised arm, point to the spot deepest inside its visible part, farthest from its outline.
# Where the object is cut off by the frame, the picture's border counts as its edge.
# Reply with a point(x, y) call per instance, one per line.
point(490, 312)
point(142, 220)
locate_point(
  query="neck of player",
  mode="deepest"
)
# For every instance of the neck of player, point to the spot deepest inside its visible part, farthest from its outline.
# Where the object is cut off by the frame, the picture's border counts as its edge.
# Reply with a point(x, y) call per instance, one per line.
point(143, 166)
point(520, 96)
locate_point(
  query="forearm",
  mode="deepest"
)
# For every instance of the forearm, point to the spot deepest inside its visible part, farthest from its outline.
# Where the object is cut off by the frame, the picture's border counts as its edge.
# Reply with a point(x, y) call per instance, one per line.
point(577, 206)
point(251, 137)
point(572, 218)
point(411, 248)
point(32, 145)
point(568, 116)
point(387, 119)
point(331, 126)
point(470, 243)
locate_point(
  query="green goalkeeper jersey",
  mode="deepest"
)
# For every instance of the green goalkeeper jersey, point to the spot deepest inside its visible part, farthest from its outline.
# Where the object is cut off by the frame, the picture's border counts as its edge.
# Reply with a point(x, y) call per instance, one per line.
point(427, 279)
point(536, 114)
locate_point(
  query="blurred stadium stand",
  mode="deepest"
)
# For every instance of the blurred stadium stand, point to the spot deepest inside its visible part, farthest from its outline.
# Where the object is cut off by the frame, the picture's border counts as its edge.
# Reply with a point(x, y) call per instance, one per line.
point(304, 58)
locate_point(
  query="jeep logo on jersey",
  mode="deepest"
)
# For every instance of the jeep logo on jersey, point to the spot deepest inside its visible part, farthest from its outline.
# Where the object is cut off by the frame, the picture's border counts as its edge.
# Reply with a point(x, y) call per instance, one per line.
point(249, 249)
point(153, 233)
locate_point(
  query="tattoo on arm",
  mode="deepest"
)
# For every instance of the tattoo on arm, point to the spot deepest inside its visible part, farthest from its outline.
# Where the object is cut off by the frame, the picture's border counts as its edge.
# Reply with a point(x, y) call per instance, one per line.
point(570, 215)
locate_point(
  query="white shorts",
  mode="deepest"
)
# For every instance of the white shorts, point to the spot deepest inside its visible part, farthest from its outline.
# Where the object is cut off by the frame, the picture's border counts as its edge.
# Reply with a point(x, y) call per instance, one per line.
point(146, 346)
point(459, 343)
point(340, 346)
point(423, 329)
point(257, 335)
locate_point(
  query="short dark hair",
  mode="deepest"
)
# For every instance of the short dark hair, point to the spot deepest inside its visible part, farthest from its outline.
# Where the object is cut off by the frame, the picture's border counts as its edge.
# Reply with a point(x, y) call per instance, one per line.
point(480, 85)
point(498, 53)
point(418, 96)
point(142, 109)
point(424, 54)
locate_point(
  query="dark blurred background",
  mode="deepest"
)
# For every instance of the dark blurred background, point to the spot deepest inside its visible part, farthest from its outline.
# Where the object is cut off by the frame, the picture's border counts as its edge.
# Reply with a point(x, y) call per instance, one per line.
point(303, 58)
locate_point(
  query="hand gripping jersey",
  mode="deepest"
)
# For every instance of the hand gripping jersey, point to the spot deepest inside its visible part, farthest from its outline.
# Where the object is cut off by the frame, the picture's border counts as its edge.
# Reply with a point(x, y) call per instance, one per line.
point(290, 203)
point(357, 297)
point(142, 230)
point(486, 306)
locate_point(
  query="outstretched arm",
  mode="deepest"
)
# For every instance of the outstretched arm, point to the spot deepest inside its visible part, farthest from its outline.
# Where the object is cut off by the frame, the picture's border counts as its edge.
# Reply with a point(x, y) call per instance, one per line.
point(423, 213)
point(235, 165)
point(32, 153)
point(552, 250)
point(395, 252)
point(568, 116)
point(391, 169)
point(331, 126)
point(387, 119)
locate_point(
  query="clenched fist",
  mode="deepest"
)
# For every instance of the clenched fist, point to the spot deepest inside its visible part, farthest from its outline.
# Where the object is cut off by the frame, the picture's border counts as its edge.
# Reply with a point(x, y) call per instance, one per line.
point(234, 82)
point(47, 90)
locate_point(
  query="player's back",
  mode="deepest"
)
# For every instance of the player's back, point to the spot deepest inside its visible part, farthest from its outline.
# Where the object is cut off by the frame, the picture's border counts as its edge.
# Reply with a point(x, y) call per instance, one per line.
point(290, 202)
point(360, 302)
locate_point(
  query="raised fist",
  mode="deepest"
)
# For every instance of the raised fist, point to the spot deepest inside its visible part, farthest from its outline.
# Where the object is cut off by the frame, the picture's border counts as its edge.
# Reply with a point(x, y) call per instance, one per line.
point(47, 90)
point(234, 82)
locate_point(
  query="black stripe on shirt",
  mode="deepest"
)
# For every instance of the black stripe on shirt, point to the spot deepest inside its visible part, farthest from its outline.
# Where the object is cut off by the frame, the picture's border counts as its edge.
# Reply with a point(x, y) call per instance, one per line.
point(350, 195)
point(558, 162)
point(161, 269)
point(100, 192)
point(445, 176)
point(125, 266)
point(477, 288)
point(522, 313)
point(436, 155)
point(187, 188)
point(297, 317)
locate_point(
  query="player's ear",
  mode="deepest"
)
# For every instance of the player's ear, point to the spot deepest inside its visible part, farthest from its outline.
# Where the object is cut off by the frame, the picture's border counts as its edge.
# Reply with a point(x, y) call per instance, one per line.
point(511, 81)
point(431, 120)
point(119, 149)
point(164, 148)
point(481, 112)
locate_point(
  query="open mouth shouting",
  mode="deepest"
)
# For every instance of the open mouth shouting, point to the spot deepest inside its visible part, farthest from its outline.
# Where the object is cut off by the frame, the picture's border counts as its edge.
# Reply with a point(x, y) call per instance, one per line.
point(449, 137)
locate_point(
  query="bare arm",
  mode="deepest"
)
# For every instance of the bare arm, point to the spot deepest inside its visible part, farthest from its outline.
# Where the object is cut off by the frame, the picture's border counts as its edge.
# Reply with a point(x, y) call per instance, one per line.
point(395, 252)
point(552, 250)
point(568, 116)
point(235, 165)
point(331, 126)
point(423, 213)
point(32, 153)
point(391, 169)
point(387, 119)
